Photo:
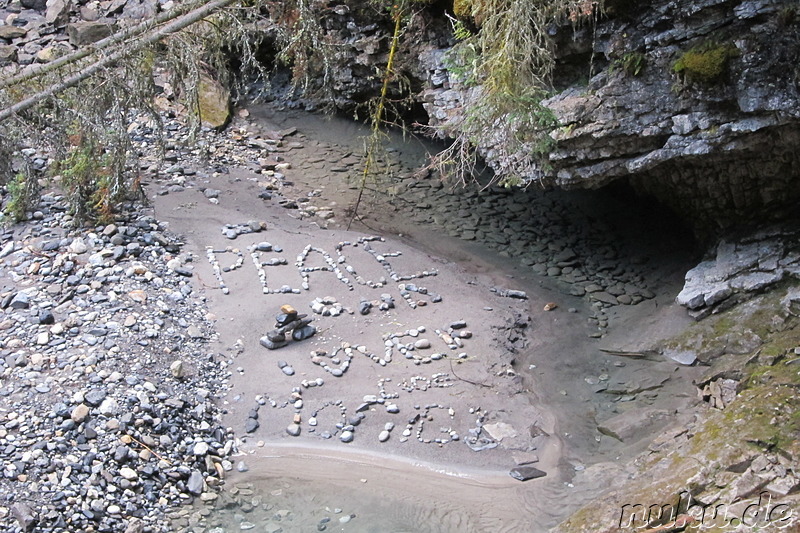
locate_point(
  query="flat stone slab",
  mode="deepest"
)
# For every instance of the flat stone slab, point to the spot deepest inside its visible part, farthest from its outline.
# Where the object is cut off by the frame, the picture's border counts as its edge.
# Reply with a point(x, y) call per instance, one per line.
point(625, 426)
point(524, 473)
point(500, 430)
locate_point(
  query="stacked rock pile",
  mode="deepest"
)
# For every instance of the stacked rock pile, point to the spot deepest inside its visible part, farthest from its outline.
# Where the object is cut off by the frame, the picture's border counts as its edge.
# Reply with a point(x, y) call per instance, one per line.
point(288, 321)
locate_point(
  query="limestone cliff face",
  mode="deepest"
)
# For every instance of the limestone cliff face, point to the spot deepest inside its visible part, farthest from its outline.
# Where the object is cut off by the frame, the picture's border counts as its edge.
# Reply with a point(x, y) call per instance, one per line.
point(696, 102)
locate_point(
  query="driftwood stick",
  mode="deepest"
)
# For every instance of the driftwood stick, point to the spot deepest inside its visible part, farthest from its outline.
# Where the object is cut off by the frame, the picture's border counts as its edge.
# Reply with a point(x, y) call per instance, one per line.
point(647, 354)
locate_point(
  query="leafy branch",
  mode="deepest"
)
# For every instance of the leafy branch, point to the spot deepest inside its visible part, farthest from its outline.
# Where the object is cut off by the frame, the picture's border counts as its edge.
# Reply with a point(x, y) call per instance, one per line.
point(504, 70)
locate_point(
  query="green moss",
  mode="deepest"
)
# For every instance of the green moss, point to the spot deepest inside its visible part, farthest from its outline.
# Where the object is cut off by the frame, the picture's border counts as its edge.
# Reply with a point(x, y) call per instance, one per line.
point(462, 8)
point(706, 64)
point(764, 417)
point(723, 325)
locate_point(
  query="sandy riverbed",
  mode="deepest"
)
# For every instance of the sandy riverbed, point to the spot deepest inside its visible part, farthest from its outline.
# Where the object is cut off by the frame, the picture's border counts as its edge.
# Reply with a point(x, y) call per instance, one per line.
point(411, 484)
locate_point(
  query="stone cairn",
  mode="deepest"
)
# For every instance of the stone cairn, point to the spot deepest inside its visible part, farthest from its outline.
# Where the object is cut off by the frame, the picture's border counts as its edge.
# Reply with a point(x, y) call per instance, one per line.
point(288, 323)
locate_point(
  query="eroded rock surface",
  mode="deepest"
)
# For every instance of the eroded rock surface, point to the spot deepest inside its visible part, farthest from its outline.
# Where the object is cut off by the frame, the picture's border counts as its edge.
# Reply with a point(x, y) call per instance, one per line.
point(740, 268)
point(718, 150)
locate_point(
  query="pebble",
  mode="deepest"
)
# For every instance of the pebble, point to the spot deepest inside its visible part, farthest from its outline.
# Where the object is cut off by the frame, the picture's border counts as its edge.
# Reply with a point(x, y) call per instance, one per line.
point(176, 369)
point(201, 448)
point(195, 483)
point(128, 473)
point(80, 413)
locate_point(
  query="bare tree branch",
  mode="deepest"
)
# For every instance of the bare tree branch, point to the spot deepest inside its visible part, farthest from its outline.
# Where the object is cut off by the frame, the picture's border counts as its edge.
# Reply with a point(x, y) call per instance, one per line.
point(177, 25)
point(133, 31)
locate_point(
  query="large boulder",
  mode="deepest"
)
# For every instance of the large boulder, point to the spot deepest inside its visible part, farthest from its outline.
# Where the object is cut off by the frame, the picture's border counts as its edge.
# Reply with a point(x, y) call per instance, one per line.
point(82, 33)
point(8, 54)
point(214, 103)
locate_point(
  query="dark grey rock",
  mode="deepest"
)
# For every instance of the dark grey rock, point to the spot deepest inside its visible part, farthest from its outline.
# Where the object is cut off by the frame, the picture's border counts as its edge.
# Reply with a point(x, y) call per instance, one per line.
point(604, 297)
point(95, 397)
point(524, 473)
point(38, 5)
point(511, 293)
point(195, 483)
point(270, 345)
point(26, 517)
point(121, 453)
point(306, 332)
point(21, 300)
point(276, 336)
point(46, 317)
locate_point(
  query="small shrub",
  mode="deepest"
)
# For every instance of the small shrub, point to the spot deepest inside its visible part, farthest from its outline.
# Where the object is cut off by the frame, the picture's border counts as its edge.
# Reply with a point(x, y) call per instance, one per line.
point(17, 199)
point(86, 175)
point(631, 63)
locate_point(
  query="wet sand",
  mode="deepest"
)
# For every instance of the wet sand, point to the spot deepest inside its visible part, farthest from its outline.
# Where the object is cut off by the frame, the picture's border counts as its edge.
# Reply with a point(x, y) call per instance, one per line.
point(418, 485)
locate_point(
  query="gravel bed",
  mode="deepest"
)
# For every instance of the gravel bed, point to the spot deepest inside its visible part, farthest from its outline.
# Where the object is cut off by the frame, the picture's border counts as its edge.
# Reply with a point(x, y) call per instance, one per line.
point(107, 387)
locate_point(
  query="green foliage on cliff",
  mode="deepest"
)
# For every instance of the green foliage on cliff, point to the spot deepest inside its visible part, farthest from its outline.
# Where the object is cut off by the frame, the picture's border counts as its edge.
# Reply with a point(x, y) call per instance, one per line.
point(462, 8)
point(508, 63)
point(706, 63)
point(631, 63)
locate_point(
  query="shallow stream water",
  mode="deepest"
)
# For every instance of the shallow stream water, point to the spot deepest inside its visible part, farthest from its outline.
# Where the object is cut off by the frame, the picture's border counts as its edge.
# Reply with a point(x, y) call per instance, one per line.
point(303, 490)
